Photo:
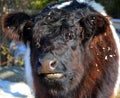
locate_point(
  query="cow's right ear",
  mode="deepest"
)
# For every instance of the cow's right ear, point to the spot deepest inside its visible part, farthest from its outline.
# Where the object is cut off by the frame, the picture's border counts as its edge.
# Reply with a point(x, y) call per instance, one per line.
point(17, 26)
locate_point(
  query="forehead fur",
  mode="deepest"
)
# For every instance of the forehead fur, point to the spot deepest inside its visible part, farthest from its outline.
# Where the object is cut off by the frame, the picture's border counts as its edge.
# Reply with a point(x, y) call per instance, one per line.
point(52, 22)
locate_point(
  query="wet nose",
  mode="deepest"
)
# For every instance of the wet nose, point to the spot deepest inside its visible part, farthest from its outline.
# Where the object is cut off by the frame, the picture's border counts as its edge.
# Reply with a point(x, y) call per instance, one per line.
point(47, 66)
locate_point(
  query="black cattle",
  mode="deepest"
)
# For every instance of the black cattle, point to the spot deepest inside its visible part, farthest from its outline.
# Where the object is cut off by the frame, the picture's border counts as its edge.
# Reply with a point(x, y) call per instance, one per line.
point(71, 50)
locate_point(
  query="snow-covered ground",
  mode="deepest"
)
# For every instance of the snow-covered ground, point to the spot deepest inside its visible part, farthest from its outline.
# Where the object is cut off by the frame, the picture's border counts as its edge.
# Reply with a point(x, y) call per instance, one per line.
point(14, 90)
point(12, 83)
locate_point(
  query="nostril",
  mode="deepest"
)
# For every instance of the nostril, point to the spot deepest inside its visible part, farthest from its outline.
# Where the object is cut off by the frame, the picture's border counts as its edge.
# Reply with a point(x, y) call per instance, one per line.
point(52, 64)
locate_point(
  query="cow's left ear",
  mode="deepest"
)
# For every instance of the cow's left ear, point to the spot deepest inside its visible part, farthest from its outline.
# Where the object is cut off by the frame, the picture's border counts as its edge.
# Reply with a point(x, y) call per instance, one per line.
point(17, 26)
point(94, 25)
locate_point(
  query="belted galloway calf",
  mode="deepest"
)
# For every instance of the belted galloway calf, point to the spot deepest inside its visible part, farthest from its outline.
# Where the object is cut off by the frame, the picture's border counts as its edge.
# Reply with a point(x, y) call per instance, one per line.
point(72, 50)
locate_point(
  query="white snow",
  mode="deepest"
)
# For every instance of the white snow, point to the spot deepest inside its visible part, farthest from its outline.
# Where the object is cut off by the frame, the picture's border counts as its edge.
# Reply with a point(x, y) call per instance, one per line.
point(14, 90)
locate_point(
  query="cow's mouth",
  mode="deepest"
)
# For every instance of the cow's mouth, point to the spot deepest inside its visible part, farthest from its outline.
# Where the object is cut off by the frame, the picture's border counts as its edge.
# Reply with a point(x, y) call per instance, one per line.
point(53, 76)
point(56, 81)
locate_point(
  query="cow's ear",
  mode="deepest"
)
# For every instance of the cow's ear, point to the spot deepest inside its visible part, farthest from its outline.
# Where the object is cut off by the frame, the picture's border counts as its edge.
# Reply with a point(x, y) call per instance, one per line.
point(17, 26)
point(94, 25)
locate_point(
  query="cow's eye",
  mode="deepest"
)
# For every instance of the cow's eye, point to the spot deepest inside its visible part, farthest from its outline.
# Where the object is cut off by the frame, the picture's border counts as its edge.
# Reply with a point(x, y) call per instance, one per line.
point(68, 35)
point(91, 20)
point(37, 44)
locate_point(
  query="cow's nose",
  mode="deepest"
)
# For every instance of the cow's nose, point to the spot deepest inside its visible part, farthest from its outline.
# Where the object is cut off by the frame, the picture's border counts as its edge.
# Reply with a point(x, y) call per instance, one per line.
point(47, 66)
point(53, 64)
